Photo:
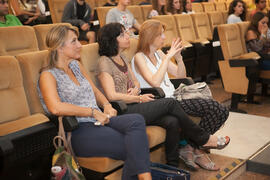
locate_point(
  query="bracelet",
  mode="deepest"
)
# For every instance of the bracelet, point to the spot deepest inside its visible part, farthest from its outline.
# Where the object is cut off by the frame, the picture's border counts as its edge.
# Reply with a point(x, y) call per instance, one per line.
point(92, 114)
point(140, 99)
point(263, 35)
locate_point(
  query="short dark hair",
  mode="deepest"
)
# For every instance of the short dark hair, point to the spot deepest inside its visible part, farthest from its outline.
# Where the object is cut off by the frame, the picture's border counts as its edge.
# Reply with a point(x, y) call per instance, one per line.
point(257, 1)
point(108, 45)
point(234, 4)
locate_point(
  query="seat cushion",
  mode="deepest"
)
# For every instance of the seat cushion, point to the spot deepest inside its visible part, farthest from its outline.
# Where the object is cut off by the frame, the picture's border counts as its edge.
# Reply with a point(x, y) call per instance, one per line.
point(22, 123)
point(156, 135)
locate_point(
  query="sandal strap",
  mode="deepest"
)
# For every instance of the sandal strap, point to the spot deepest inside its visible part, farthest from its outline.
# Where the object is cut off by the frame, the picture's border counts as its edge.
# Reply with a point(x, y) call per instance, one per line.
point(221, 140)
point(209, 165)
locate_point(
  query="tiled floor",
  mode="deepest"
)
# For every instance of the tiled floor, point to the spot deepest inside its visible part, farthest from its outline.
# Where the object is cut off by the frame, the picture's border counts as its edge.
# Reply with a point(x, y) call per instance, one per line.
point(248, 132)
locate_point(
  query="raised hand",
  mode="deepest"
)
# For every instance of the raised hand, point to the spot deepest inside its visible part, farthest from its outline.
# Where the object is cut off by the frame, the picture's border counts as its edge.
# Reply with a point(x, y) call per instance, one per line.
point(176, 48)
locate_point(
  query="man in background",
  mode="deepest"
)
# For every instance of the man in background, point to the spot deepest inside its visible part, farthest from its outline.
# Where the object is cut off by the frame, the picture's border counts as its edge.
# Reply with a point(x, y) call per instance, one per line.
point(5, 18)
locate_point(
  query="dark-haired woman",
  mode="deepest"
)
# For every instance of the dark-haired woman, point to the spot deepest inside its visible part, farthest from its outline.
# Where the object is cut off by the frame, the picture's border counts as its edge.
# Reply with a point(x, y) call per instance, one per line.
point(65, 89)
point(237, 12)
point(257, 39)
point(119, 83)
point(187, 7)
point(158, 8)
point(173, 7)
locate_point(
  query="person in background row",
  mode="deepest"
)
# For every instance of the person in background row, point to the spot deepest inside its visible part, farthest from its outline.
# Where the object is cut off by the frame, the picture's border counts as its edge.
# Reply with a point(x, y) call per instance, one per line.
point(123, 16)
point(110, 3)
point(260, 7)
point(5, 18)
point(158, 8)
point(257, 39)
point(65, 89)
point(237, 12)
point(78, 13)
point(44, 10)
point(187, 7)
point(174, 7)
point(27, 11)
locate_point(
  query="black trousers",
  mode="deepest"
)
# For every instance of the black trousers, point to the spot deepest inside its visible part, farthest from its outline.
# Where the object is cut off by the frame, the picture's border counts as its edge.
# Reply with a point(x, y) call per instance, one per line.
point(168, 113)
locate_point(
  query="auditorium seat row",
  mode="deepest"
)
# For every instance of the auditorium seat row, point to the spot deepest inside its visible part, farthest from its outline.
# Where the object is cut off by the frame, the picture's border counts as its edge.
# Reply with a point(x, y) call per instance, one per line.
point(19, 39)
point(22, 116)
point(237, 60)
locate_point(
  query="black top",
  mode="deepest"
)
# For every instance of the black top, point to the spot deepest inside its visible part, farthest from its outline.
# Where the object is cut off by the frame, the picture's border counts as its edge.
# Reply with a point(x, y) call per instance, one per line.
point(80, 10)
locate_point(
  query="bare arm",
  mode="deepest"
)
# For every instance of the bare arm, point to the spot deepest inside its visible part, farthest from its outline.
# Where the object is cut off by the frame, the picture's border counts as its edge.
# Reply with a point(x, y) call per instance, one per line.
point(156, 79)
point(137, 25)
point(18, 11)
point(179, 70)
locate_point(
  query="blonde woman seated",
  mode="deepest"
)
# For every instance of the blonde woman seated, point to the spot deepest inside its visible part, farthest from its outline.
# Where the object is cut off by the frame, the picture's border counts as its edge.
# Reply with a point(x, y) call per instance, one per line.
point(151, 67)
point(119, 83)
point(65, 89)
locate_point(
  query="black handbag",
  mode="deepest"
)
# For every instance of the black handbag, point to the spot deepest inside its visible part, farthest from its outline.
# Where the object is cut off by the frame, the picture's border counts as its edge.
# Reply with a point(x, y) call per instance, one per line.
point(166, 172)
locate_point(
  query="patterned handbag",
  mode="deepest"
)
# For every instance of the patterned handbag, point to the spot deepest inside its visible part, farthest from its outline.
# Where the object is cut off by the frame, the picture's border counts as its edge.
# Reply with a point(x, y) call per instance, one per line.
point(166, 172)
point(65, 166)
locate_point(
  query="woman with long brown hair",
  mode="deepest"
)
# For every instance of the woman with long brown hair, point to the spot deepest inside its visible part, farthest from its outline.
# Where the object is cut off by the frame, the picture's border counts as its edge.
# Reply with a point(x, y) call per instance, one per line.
point(237, 12)
point(151, 67)
point(158, 8)
point(174, 7)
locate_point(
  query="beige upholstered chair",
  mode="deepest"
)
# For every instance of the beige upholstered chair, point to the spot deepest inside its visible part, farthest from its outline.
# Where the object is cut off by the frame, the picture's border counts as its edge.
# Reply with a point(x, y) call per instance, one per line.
point(146, 10)
point(208, 7)
point(171, 31)
point(137, 13)
point(215, 19)
point(23, 135)
point(17, 39)
point(56, 9)
point(234, 77)
point(220, 6)
point(41, 31)
point(197, 7)
point(100, 3)
point(225, 16)
point(102, 12)
point(202, 26)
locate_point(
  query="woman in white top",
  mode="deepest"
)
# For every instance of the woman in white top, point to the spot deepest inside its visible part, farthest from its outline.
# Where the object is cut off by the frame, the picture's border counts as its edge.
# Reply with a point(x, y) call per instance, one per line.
point(237, 12)
point(158, 8)
point(151, 67)
point(187, 7)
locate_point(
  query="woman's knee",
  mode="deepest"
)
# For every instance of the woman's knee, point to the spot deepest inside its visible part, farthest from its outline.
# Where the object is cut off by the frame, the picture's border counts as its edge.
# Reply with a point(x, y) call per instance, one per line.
point(137, 120)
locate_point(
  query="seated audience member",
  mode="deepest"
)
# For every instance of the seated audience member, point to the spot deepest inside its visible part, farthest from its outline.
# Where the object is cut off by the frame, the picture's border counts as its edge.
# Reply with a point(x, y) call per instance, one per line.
point(151, 67)
point(119, 83)
point(5, 18)
point(173, 7)
point(44, 10)
point(27, 11)
point(257, 39)
point(260, 7)
point(78, 13)
point(110, 3)
point(65, 89)
point(123, 16)
point(187, 7)
point(237, 12)
point(158, 8)
point(146, 2)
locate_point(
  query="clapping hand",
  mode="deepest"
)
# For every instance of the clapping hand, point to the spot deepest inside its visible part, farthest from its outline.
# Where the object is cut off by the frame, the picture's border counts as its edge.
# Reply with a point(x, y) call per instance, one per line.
point(176, 48)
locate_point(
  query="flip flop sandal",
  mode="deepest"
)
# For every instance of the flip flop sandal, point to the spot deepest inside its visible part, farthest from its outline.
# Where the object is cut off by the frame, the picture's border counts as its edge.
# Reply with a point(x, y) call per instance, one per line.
point(222, 142)
point(188, 162)
point(208, 166)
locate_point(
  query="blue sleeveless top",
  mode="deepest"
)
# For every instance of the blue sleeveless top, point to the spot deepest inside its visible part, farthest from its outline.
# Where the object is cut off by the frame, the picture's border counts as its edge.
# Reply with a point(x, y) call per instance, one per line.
point(69, 92)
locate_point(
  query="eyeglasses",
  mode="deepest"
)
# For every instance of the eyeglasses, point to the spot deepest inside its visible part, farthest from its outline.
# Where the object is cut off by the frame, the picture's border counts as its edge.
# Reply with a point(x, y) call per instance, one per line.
point(3, 2)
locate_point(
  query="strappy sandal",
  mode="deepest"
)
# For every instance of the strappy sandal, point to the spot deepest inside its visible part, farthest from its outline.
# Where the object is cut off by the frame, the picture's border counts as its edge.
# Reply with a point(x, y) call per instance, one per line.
point(222, 142)
point(188, 162)
point(208, 166)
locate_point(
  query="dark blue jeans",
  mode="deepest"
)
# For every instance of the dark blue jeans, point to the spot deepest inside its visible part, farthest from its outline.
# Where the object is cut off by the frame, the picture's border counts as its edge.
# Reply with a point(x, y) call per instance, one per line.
point(124, 138)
